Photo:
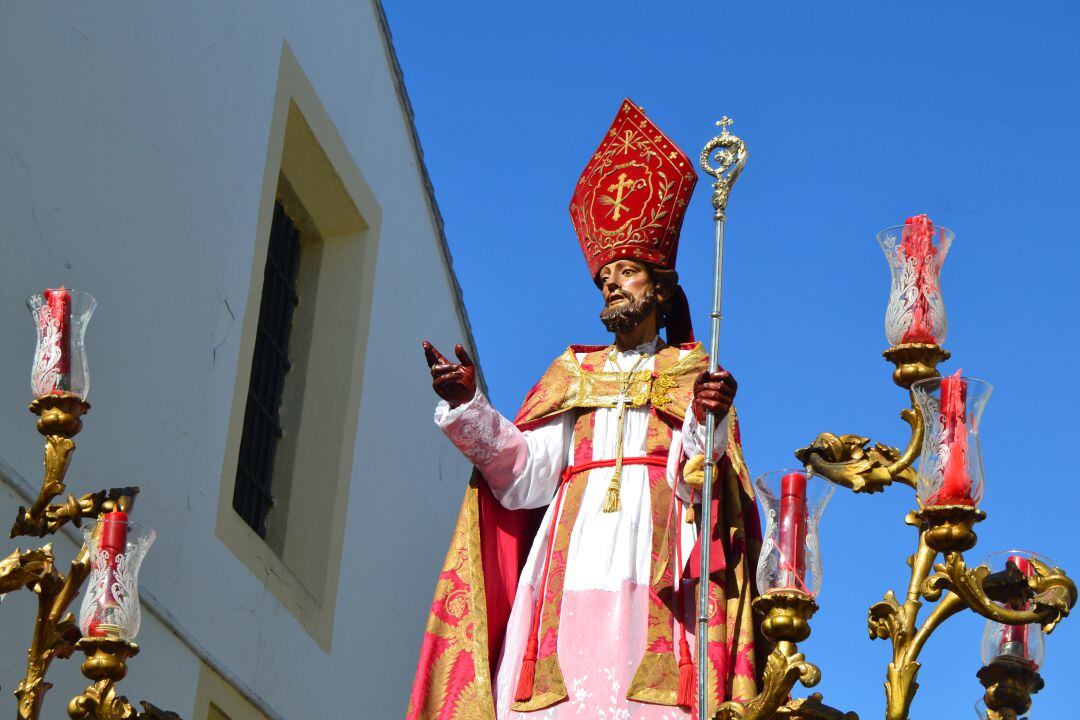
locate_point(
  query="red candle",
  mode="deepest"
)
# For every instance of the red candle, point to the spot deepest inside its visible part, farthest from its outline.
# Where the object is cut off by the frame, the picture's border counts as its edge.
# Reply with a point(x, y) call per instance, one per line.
point(112, 542)
point(917, 244)
point(1014, 638)
point(956, 478)
point(113, 535)
point(52, 371)
point(792, 531)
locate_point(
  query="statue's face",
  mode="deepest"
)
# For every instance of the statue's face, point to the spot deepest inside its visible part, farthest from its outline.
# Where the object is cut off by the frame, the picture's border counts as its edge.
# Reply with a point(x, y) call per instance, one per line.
point(623, 281)
point(629, 295)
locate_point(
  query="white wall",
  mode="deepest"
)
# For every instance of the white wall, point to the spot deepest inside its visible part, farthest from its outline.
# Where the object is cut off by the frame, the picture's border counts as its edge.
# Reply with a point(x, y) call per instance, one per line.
point(132, 147)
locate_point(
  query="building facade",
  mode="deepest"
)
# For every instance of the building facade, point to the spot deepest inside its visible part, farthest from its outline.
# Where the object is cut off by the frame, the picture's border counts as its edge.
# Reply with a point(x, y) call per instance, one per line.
point(241, 187)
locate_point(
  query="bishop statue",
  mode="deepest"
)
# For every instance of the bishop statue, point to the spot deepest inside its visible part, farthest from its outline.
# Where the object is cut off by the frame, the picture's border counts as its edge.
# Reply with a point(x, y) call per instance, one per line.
point(569, 587)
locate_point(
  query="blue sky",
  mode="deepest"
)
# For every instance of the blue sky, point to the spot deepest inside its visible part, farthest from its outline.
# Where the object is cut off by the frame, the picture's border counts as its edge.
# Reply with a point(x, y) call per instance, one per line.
point(857, 115)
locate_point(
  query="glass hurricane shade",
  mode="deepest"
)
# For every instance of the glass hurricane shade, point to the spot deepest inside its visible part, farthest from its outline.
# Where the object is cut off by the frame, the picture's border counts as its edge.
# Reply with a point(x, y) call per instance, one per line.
point(915, 251)
point(792, 501)
point(950, 466)
point(60, 318)
point(1023, 643)
point(110, 607)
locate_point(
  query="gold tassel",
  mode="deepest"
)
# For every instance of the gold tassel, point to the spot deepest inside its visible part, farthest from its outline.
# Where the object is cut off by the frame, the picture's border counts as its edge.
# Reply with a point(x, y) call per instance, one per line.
point(690, 514)
point(611, 502)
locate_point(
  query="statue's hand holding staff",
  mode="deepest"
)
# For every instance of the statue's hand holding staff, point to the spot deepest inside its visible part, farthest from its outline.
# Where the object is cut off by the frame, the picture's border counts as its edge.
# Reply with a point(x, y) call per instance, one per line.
point(714, 392)
point(453, 382)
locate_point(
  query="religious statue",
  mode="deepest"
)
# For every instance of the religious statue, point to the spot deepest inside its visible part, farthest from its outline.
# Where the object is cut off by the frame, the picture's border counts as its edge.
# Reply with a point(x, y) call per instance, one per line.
point(568, 590)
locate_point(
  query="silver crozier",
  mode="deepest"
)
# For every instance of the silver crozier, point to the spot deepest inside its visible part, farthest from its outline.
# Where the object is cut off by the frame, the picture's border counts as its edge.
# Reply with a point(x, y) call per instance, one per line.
point(729, 154)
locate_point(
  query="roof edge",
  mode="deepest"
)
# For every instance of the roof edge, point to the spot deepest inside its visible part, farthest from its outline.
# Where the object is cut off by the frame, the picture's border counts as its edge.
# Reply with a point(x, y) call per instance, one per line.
point(429, 188)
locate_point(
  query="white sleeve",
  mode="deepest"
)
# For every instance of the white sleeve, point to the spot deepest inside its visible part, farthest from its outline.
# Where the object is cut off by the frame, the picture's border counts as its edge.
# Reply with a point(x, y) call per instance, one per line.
point(522, 468)
point(694, 436)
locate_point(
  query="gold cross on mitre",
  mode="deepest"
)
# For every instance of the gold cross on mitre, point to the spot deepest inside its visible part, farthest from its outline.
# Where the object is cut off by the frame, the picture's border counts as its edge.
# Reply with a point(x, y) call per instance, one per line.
point(618, 188)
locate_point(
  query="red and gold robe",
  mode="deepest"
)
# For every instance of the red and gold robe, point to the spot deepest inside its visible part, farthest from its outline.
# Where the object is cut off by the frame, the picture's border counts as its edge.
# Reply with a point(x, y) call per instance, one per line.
point(482, 586)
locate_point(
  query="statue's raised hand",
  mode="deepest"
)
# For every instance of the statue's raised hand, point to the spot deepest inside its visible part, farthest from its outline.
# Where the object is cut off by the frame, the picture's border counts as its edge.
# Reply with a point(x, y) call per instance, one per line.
point(453, 382)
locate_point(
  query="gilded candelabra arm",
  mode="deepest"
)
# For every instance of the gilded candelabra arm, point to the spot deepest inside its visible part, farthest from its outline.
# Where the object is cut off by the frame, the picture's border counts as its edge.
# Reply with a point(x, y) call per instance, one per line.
point(59, 420)
point(889, 620)
point(25, 568)
point(1051, 592)
point(90, 505)
point(900, 469)
point(855, 463)
point(943, 530)
point(811, 708)
point(858, 463)
point(898, 622)
point(922, 562)
point(783, 668)
point(55, 631)
point(786, 623)
point(950, 605)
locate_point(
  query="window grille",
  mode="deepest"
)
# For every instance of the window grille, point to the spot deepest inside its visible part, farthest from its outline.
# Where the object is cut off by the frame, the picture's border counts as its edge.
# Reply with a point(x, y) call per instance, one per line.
point(269, 364)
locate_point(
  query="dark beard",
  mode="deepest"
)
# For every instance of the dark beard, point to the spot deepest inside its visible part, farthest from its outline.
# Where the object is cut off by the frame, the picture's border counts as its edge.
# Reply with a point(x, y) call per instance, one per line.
point(629, 315)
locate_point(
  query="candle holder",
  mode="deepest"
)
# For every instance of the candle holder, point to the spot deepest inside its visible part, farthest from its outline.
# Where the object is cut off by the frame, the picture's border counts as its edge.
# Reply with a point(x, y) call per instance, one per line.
point(110, 607)
point(915, 361)
point(915, 252)
point(105, 664)
point(950, 465)
point(114, 546)
point(789, 578)
point(790, 559)
point(1009, 686)
point(1011, 654)
point(949, 528)
point(61, 317)
point(786, 615)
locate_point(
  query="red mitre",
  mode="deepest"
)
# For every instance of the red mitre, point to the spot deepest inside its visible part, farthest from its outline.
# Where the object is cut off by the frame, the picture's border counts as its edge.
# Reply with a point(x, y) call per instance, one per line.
point(632, 196)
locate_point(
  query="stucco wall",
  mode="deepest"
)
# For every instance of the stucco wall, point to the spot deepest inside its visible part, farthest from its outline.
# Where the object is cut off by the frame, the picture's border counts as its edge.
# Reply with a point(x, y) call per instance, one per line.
point(133, 139)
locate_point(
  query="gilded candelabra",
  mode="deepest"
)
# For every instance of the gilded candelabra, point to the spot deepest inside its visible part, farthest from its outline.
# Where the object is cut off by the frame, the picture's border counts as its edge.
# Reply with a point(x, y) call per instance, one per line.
point(946, 532)
point(60, 381)
point(1023, 598)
